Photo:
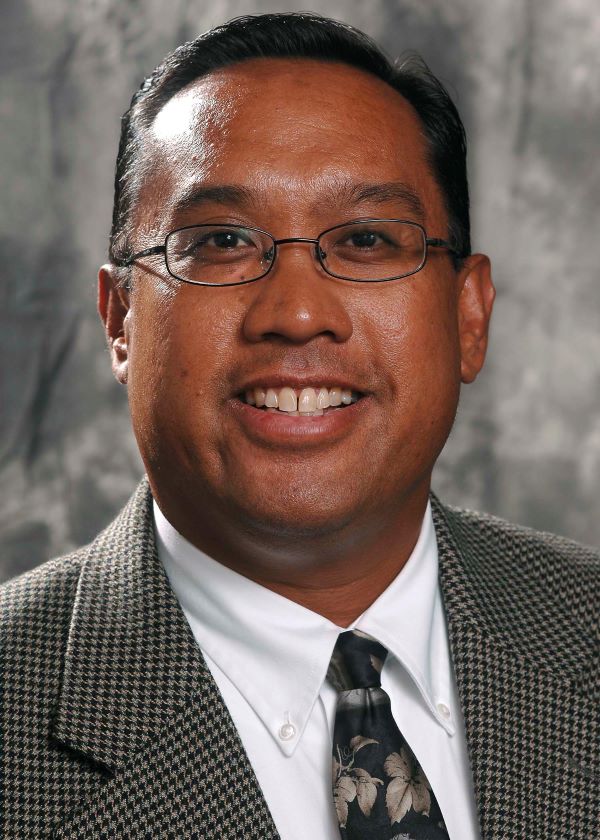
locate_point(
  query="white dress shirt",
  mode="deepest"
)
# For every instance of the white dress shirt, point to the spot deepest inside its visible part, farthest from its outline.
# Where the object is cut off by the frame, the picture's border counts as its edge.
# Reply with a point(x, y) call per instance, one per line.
point(269, 657)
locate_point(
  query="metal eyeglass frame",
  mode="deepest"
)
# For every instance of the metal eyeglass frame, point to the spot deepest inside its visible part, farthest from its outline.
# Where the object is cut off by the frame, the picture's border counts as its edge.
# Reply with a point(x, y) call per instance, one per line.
point(428, 242)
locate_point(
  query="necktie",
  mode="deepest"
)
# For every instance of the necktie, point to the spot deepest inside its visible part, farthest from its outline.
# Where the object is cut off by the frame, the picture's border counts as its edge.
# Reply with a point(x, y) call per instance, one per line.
point(380, 791)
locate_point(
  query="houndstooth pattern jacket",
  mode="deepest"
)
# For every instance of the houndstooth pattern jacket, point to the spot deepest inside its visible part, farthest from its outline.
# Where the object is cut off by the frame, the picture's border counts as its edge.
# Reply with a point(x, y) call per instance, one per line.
point(112, 726)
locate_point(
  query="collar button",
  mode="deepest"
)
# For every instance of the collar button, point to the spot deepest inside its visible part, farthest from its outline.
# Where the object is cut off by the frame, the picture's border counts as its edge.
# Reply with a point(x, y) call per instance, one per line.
point(443, 710)
point(287, 731)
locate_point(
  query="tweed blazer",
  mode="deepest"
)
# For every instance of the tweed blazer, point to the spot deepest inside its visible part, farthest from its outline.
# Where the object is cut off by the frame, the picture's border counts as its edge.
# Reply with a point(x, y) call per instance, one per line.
point(113, 727)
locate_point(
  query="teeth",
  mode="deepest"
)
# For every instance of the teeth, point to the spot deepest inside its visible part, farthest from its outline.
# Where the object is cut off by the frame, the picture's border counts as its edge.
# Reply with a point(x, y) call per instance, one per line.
point(335, 396)
point(287, 400)
point(309, 402)
point(271, 399)
point(323, 398)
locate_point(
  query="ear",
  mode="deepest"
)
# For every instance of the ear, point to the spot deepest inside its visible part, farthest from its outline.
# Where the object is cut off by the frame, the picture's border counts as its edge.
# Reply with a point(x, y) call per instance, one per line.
point(113, 308)
point(475, 302)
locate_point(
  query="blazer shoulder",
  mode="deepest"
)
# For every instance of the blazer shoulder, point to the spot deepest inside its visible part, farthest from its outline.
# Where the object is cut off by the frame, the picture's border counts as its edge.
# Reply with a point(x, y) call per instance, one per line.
point(521, 538)
point(536, 565)
point(36, 607)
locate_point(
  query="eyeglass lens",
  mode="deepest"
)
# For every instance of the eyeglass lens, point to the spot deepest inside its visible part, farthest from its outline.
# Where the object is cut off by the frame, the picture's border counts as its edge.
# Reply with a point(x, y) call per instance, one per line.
point(225, 254)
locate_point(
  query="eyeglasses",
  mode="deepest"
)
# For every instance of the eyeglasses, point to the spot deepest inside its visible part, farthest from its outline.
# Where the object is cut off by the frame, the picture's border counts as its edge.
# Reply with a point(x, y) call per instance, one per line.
point(363, 251)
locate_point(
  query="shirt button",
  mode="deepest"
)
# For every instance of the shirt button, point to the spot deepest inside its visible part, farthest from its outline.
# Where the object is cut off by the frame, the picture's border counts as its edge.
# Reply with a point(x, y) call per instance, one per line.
point(287, 731)
point(443, 710)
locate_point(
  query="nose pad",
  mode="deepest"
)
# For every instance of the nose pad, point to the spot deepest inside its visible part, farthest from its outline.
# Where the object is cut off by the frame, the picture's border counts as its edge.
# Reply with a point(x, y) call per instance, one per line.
point(268, 256)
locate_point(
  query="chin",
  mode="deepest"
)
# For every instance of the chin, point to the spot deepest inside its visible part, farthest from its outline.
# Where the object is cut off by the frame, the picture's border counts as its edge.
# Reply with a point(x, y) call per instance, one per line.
point(301, 512)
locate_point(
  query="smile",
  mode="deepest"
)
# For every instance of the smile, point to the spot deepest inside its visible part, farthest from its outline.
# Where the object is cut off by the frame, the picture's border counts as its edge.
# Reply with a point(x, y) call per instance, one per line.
point(304, 402)
point(274, 413)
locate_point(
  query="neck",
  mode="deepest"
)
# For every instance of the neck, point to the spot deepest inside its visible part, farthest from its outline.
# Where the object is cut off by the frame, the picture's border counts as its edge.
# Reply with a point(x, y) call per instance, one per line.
point(338, 574)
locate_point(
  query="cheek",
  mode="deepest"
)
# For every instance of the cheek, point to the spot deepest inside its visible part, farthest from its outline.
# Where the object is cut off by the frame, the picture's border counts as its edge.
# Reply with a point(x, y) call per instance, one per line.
point(181, 344)
point(416, 340)
point(415, 331)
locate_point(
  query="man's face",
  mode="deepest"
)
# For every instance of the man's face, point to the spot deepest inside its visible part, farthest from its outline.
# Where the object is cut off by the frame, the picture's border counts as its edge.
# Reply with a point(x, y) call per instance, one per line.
point(302, 139)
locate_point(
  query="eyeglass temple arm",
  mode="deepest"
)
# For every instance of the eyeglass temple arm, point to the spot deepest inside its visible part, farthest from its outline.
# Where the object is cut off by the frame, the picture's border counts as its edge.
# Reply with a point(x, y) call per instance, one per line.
point(147, 252)
point(433, 242)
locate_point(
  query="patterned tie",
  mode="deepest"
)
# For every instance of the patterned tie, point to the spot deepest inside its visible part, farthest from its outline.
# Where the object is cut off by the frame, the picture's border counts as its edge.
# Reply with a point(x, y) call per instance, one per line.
point(379, 789)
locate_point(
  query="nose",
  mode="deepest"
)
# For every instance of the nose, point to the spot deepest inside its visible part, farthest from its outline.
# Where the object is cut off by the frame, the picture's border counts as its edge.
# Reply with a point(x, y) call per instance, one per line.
point(297, 300)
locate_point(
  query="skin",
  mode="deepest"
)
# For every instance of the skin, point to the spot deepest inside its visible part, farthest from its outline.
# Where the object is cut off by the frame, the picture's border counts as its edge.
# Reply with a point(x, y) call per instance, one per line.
point(328, 521)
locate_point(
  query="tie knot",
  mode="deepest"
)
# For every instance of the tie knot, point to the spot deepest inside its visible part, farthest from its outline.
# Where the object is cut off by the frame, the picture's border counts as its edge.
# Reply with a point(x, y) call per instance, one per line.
point(356, 661)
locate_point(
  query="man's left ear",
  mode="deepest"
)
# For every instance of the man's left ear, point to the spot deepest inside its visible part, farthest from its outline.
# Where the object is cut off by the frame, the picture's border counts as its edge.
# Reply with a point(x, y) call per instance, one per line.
point(475, 302)
point(113, 308)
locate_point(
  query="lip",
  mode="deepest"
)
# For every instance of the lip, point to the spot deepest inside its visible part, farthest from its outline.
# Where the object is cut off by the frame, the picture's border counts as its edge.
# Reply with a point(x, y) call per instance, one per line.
point(276, 428)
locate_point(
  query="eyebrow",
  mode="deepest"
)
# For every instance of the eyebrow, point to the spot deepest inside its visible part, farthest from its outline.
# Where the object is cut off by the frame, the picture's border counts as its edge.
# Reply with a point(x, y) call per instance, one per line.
point(230, 194)
point(340, 195)
point(377, 193)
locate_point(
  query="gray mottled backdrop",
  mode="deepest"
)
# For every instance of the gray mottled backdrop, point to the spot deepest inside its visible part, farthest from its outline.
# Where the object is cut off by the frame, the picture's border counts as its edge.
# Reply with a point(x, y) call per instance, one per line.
point(526, 74)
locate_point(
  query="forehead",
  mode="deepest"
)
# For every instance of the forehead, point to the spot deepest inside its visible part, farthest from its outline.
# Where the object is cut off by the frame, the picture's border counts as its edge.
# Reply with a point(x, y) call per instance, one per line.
point(286, 131)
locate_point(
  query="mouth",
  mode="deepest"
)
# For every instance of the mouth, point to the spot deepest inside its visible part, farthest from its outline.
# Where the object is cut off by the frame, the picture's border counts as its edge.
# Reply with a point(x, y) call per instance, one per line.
point(308, 401)
point(277, 411)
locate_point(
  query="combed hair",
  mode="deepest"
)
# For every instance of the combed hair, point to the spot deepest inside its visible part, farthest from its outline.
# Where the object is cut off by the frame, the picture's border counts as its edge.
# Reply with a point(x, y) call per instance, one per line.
point(296, 35)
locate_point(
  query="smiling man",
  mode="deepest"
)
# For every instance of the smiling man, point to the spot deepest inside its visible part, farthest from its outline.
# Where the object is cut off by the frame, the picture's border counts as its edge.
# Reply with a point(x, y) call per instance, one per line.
point(285, 634)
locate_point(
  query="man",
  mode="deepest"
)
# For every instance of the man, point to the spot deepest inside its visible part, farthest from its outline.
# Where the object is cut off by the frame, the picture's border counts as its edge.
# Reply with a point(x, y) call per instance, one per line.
point(284, 633)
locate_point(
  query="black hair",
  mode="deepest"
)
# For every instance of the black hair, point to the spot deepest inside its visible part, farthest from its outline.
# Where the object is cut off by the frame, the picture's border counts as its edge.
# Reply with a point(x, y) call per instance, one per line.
point(296, 35)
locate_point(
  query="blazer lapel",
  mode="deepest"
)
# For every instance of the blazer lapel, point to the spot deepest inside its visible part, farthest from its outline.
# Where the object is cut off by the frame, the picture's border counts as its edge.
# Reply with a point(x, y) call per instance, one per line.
point(523, 670)
point(138, 699)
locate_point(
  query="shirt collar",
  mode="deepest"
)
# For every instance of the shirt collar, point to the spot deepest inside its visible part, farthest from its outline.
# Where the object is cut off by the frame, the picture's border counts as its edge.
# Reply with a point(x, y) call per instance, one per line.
point(260, 639)
point(408, 619)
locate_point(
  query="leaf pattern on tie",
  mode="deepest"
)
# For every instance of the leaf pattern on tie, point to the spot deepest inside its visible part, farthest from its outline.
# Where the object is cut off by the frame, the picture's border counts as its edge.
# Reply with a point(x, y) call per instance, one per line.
point(408, 786)
point(343, 793)
point(350, 782)
point(359, 741)
point(366, 790)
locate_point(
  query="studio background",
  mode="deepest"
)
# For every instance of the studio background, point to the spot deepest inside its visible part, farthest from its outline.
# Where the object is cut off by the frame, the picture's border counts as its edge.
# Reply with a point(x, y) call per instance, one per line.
point(526, 77)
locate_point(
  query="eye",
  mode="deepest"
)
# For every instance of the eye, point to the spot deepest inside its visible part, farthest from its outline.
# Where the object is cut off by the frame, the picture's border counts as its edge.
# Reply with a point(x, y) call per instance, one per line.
point(225, 239)
point(213, 243)
point(364, 239)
